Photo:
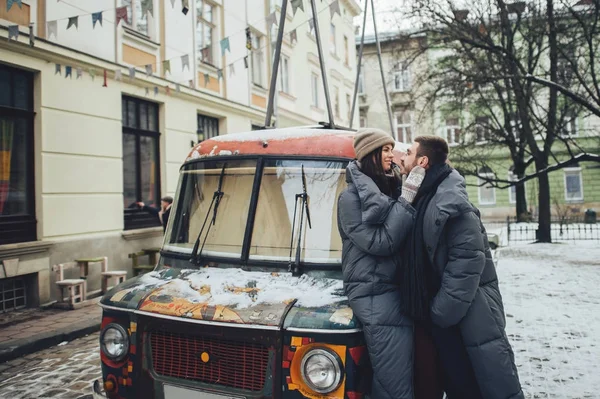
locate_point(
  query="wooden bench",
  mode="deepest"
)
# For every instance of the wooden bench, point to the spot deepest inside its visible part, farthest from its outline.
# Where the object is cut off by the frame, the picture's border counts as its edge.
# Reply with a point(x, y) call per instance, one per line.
point(152, 259)
point(76, 287)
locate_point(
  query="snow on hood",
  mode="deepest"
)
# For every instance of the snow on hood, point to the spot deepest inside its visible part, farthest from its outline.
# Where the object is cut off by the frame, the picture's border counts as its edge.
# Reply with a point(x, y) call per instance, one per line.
point(278, 134)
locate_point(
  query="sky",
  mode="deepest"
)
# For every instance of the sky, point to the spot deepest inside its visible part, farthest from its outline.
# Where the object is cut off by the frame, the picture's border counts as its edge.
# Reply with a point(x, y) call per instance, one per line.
point(389, 15)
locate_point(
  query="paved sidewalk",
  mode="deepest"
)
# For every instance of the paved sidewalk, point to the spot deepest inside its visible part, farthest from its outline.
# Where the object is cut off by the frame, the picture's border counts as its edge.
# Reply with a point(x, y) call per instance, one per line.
point(31, 330)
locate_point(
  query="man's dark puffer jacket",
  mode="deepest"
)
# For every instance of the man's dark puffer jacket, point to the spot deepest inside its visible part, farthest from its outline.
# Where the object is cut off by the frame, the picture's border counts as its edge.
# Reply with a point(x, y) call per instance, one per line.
point(374, 227)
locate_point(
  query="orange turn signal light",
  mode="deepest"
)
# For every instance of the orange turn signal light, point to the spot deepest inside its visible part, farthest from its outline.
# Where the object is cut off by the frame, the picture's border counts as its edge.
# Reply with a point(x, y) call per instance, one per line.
point(109, 386)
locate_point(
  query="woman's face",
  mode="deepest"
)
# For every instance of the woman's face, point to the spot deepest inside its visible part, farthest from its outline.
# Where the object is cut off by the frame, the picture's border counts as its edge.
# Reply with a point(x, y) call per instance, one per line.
point(387, 157)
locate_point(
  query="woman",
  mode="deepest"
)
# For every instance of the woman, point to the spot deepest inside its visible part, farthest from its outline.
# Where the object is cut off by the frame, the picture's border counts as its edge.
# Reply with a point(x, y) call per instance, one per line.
point(374, 223)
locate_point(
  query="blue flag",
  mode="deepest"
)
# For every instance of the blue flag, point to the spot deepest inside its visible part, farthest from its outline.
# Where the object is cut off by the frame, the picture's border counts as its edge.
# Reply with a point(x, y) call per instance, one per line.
point(97, 17)
point(9, 4)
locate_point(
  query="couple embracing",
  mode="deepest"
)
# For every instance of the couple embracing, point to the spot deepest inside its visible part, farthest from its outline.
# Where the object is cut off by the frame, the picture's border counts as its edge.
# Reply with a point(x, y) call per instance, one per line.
point(419, 275)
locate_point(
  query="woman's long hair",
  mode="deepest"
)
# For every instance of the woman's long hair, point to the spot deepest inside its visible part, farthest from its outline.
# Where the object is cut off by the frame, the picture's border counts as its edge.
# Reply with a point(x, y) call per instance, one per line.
point(371, 166)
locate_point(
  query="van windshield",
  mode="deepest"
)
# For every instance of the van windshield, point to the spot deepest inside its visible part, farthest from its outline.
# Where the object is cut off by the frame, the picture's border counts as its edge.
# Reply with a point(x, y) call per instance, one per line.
point(275, 231)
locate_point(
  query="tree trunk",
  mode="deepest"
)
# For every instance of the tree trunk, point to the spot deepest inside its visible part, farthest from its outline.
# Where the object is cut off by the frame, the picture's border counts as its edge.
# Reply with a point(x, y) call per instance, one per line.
point(521, 196)
point(544, 232)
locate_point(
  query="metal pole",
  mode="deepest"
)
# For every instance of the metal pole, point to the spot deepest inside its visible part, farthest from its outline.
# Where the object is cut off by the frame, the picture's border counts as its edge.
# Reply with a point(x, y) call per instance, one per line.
point(275, 69)
point(387, 99)
point(360, 55)
point(322, 63)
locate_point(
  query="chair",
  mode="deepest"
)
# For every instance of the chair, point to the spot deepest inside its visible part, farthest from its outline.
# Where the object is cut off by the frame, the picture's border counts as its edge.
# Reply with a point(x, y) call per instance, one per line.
point(136, 267)
point(76, 287)
point(119, 275)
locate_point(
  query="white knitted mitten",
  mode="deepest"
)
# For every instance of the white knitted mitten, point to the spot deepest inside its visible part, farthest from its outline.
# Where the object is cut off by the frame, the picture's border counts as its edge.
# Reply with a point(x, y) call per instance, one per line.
point(412, 184)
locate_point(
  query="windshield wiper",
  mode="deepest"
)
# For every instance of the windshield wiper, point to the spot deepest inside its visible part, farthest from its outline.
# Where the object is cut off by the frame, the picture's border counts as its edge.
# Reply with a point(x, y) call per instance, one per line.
point(217, 195)
point(295, 267)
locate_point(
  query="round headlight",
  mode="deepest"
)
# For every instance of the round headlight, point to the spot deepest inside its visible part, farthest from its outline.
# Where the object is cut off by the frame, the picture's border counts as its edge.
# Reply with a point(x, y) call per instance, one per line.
point(321, 370)
point(114, 341)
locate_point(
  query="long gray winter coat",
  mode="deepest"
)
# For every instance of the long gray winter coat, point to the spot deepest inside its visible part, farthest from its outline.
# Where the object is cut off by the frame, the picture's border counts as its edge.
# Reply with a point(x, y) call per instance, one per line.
point(469, 296)
point(373, 227)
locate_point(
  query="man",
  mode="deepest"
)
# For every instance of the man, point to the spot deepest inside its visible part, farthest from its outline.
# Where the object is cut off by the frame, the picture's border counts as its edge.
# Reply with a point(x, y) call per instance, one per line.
point(163, 213)
point(450, 285)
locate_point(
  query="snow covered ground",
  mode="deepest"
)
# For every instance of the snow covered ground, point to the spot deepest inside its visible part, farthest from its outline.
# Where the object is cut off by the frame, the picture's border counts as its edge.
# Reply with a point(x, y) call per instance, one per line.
point(551, 296)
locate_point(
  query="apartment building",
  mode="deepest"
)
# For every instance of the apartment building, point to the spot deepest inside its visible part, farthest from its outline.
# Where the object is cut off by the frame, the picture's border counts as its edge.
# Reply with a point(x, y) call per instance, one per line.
point(101, 101)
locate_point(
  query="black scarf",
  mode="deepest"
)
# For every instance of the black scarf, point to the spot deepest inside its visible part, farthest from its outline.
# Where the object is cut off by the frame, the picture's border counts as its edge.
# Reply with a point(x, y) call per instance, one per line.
point(417, 275)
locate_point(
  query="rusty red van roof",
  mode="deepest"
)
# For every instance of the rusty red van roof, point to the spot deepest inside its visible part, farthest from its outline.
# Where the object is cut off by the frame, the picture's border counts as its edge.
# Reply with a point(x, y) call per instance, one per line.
point(311, 141)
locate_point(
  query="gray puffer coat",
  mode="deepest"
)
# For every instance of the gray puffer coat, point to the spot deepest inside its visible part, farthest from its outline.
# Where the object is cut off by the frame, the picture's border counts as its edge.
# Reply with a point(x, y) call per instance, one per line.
point(373, 227)
point(469, 297)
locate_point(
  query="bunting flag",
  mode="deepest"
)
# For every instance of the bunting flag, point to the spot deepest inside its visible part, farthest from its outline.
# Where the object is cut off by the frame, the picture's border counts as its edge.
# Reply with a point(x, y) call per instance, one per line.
point(79, 72)
point(205, 53)
point(92, 73)
point(131, 73)
point(13, 32)
point(73, 21)
point(246, 62)
point(191, 83)
point(118, 75)
point(219, 74)
point(206, 79)
point(172, 3)
point(53, 29)
point(248, 38)
point(334, 7)
point(155, 91)
point(185, 6)
point(68, 72)
point(185, 61)
point(225, 46)
point(177, 88)
point(293, 36)
point(148, 70)
point(9, 4)
point(105, 83)
point(31, 36)
point(297, 4)
point(231, 70)
point(148, 6)
point(96, 17)
point(167, 66)
point(271, 20)
point(57, 69)
point(147, 91)
point(121, 13)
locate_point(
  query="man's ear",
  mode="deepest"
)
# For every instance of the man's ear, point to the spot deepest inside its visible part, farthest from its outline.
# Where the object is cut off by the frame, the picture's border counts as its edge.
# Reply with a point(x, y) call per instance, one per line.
point(423, 161)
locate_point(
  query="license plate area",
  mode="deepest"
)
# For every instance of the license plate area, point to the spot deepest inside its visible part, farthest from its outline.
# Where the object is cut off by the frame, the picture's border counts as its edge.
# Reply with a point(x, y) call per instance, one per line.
point(175, 392)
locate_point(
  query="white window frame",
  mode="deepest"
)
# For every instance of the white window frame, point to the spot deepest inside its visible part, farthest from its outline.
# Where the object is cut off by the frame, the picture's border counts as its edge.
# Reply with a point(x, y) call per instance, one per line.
point(285, 74)
point(336, 102)
point(201, 23)
point(314, 89)
point(256, 58)
point(401, 127)
point(480, 188)
point(484, 129)
point(512, 191)
point(349, 105)
point(135, 6)
point(311, 30)
point(401, 79)
point(571, 172)
point(570, 129)
point(346, 51)
point(332, 39)
point(451, 131)
point(361, 81)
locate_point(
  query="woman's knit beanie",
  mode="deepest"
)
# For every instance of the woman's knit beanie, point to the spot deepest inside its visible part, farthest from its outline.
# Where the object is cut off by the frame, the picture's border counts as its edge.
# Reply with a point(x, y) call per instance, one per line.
point(367, 140)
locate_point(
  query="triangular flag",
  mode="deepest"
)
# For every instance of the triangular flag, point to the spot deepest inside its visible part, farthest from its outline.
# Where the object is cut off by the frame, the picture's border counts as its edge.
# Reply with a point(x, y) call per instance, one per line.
point(148, 5)
point(57, 69)
point(311, 24)
point(185, 61)
point(155, 90)
point(206, 79)
point(297, 4)
point(177, 88)
point(121, 13)
point(225, 46)
point(167, 66)
point(246, 62)
point(334, 7)
point(148, 70)
point(9, 4)
point(73, 21)
point(96, 17)
point(118, 75)
point(231, 70)
point(172, 3)
point(219, 74)
point(68, 72)
point(105, 83)
point(293, 36)
point(52, 29)
point(13, 32)
point(131, 73)
point(185, 6)
point(31, 36)
point(79, 72)
point(147, 91)
point(271, 20)
point(92, 73)
point(191, 83)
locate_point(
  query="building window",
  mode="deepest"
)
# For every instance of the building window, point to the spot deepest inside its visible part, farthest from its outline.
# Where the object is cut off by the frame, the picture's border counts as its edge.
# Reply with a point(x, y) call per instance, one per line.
point(404, 126)
point(314, 86)
point(346, 51)
point(401, 78)
point(13, 294)
point(453, 131)
point(17, 208)
point(208, 127)
point(512, 191)
point(257, 59)
point(482, 129)
point(349, 106)
point(138, 20)
point(332, 40)
point(285, 74)
point(311, 26)
point(336, 101)
point(487, 192)
point(205, 29)
point(361, 81)
point(363, 121)
point(573, 184)
point(141, 161)
point(569, 126)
